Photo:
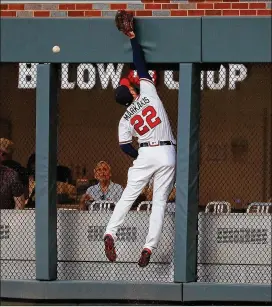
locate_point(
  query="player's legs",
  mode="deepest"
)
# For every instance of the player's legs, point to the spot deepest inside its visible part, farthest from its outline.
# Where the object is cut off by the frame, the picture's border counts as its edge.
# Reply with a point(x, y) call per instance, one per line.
point(138, 176)
point(163, 183)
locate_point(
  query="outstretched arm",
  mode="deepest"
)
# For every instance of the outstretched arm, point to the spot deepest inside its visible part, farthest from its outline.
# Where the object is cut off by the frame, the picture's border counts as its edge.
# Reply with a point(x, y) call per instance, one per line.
point(138, 57)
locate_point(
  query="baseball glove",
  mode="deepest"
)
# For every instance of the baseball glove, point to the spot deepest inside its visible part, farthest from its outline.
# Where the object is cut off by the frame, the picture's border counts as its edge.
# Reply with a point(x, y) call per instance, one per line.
point(124, 22)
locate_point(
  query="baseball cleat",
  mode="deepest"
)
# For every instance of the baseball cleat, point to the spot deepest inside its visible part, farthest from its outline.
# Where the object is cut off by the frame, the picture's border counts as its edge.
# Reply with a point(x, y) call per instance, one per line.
point(145, 257)
point(109, 248)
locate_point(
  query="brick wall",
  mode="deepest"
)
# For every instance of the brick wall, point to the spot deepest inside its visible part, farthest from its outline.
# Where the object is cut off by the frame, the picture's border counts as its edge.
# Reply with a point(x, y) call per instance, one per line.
point(149, 8)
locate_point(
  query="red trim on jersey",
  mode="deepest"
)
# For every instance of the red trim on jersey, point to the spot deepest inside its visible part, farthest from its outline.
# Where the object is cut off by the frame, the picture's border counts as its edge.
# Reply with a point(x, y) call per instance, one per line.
point(145, 79)
point(125, 81)
point(134, 78)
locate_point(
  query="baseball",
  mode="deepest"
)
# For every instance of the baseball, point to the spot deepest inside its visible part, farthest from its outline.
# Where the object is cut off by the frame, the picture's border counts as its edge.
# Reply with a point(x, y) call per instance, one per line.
point(56, 49)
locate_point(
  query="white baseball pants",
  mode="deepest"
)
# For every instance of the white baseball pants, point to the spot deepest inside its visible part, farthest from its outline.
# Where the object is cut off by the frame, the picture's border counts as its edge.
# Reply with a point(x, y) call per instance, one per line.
point(159, 161)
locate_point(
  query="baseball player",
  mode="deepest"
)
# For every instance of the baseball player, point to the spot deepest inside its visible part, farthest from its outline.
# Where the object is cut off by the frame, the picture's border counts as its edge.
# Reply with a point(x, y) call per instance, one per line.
point(146, 119)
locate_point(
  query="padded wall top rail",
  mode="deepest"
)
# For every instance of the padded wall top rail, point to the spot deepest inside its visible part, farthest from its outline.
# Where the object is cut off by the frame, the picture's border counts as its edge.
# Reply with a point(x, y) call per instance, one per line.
point(233, 40)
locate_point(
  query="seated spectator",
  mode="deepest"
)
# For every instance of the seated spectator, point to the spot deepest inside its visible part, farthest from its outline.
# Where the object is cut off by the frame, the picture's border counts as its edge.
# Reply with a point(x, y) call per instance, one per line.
point(7, 148)
point(64, 189)
point(11, 189)
point(148, 191)
point(105, 189)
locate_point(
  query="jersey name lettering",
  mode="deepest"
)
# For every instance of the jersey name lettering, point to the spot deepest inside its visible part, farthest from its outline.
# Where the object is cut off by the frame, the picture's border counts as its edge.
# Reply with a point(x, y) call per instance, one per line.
point(136, 107)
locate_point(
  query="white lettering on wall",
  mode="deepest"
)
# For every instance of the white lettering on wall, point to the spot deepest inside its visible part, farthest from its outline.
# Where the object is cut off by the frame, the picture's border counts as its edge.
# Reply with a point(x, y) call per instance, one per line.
point(238, 73)
point(27, 75)
point(87, 76)
point(109, 73)
point(169, 81)
point(65, 84)
point(218, 84)
point(202, 80)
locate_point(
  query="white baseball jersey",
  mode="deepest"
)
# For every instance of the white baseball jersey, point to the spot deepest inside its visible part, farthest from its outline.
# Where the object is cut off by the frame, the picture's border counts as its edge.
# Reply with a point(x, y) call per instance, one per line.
point(145, 118)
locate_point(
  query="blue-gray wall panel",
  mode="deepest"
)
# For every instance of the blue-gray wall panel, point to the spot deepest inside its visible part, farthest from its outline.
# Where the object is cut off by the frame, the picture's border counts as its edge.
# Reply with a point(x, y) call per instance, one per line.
point(46, 166)
point(227, 292)
point(228, 39)
point(187, 173)
point(67, 290)
point(236, 39)
point(97, 40)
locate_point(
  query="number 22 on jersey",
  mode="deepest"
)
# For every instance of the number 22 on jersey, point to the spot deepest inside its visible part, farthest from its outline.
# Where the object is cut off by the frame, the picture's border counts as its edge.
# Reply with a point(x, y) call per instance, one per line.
point(145, 121)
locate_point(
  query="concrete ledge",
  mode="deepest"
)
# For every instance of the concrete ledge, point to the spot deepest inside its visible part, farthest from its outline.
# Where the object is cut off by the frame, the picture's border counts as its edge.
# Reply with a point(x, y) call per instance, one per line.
point(90, 290)
point(197, 291)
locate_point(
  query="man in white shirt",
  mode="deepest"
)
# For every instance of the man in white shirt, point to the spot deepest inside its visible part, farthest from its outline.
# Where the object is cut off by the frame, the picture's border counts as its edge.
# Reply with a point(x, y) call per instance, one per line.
point(104, 190)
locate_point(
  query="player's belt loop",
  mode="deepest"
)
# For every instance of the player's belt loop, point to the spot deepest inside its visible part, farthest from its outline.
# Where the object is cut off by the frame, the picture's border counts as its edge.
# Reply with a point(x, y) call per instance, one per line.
point(159, 143)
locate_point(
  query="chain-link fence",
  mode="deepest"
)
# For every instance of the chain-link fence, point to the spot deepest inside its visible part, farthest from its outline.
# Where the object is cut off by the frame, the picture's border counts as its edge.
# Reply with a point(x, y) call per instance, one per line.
point(17, 143)
point(234, 243)
point(88, 134)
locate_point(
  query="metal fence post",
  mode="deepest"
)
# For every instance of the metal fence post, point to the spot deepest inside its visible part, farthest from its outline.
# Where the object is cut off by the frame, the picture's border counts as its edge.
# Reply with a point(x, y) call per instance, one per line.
point(187, 173)
point(46, 166)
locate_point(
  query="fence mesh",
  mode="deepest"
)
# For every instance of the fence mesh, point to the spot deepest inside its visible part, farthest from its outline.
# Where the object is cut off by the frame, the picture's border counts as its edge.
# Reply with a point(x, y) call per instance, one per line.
point(235, 175)
point(17, 143)
point(234, 242)
point(88, 134)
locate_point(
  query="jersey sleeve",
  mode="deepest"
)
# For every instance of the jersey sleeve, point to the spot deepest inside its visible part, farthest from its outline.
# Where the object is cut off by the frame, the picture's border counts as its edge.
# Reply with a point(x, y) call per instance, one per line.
point(147, 87)
point(124, 132)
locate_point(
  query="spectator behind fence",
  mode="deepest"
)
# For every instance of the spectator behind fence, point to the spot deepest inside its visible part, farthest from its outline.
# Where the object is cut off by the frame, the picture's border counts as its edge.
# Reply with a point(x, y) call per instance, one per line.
point(64, 189)
point(11, 188)
point(7, 147)
point(104, 190)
